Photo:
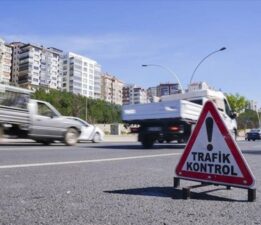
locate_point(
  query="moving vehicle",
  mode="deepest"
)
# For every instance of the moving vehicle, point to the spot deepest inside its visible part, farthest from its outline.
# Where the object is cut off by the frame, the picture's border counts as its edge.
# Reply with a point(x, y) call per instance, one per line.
point(174, 117)
point(254, 134)
point(23, 117)
point(89, 132)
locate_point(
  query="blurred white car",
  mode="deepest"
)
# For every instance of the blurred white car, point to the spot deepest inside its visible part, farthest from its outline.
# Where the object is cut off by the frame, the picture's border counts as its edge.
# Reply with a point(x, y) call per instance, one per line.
point(89, 132)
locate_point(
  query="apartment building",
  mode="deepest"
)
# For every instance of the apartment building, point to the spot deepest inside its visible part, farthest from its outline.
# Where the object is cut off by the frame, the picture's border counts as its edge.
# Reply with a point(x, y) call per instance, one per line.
point(252, 105)
point(5, 62)
point(81, 75)
point(167, 89)
point(133, 94)
point(35, 66)
point(198, 86)
point(97, 81)
point(111, 89)
point(152, 94)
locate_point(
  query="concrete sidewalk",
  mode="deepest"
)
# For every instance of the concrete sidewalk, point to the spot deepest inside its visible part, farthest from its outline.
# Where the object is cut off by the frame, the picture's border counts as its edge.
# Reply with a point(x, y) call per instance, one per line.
point(107, 138)
point(121, 138)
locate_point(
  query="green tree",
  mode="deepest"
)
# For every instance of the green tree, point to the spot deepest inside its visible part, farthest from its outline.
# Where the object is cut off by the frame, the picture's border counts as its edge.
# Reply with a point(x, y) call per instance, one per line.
point(68, 104)
point(237, 102)
point(248, 120)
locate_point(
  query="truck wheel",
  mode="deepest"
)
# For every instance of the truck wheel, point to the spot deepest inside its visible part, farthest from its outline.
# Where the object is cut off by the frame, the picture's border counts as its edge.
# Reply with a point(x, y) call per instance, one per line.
point(71, 137)
point(147, 143)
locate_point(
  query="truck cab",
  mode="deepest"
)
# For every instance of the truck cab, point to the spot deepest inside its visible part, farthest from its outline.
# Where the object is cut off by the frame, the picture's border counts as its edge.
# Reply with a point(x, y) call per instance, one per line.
point(47, 124)
point(23, 117)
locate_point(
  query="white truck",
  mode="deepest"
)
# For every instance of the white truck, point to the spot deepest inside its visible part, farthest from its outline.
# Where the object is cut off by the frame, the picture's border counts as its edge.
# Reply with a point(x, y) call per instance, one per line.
point(174, 117)
point(23, 117)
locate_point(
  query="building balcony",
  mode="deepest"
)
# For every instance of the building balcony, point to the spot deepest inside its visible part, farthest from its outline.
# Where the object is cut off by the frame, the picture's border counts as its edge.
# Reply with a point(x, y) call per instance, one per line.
point(25, 56)
point(24, 69)
point(24, 50)
point(23, 80)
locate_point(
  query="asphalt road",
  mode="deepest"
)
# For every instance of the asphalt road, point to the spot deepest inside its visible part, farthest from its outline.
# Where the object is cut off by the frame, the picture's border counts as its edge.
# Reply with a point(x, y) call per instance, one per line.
point(114, 183)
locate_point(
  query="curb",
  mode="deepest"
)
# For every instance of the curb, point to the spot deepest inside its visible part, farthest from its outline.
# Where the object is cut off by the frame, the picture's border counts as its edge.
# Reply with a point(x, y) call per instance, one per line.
point(107, 138)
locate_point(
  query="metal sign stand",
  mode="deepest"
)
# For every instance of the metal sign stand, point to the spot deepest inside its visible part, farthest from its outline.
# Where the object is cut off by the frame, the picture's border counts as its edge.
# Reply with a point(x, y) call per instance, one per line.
point(186, 194)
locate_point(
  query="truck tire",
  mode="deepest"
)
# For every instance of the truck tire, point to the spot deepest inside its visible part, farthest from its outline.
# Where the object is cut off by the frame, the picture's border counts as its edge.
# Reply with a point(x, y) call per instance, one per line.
point(71, 137)
point(147, 143)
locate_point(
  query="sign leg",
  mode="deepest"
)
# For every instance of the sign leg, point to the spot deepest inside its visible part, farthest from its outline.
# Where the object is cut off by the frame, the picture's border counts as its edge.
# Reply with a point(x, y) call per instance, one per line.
point(176, 182)
point(251, 195)
point(186, 193)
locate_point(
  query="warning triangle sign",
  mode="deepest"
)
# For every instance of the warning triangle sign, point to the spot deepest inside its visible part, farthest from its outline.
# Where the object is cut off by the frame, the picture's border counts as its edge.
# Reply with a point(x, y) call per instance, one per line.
point(212, 155)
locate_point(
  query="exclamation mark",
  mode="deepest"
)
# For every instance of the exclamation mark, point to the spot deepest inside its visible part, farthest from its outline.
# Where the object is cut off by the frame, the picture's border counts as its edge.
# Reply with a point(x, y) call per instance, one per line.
point(209, 126)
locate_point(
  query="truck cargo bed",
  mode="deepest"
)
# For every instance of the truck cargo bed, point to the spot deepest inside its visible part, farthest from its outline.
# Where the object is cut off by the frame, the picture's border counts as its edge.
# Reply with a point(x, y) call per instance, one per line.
point(161, 110)
point(12, 115)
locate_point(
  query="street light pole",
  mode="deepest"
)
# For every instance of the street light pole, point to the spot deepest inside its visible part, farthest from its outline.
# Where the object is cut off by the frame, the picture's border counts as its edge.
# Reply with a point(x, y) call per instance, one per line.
point(212, 53)
point(169, 70)
point(258, 117)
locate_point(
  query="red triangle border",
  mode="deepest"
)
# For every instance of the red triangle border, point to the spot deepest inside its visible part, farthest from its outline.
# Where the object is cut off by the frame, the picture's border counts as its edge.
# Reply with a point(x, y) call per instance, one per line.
point(246, 181)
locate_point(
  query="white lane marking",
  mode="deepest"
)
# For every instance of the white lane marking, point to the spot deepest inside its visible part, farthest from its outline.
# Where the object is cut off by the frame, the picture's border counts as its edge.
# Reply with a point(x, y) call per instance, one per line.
point(29, 148)
point(85, 161)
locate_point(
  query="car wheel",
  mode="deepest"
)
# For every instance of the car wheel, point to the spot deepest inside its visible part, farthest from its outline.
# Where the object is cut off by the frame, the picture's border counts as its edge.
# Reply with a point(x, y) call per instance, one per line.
point(71, 137)
point(96, 138)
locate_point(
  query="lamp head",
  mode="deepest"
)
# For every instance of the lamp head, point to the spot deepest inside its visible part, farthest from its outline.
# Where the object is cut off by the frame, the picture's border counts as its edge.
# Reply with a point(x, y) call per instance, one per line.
point(222, 49)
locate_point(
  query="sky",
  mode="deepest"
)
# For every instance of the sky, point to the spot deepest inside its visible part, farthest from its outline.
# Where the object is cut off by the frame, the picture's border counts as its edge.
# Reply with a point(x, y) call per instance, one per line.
point(121, 35)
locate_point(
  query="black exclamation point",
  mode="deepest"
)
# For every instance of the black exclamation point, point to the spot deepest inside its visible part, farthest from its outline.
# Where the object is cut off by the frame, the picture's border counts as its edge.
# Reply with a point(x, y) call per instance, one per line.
point(209, 126)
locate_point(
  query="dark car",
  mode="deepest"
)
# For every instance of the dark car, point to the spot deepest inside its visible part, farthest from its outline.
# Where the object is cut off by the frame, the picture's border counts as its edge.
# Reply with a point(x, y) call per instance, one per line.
point(254, 134)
